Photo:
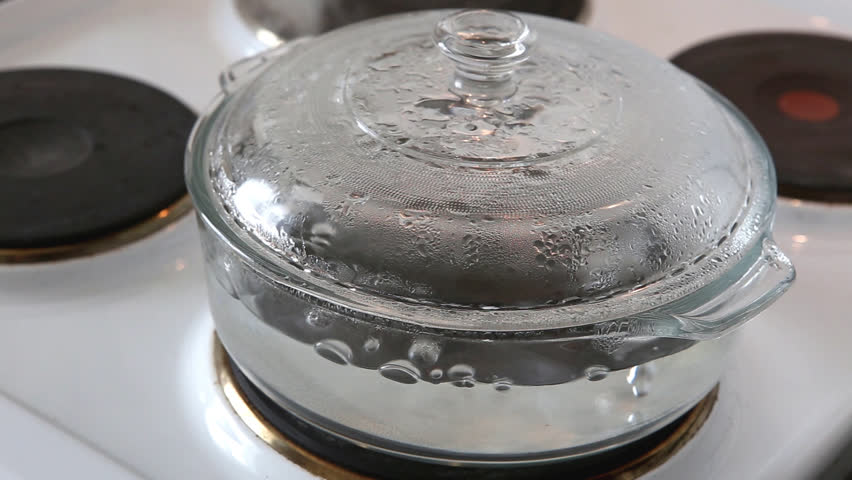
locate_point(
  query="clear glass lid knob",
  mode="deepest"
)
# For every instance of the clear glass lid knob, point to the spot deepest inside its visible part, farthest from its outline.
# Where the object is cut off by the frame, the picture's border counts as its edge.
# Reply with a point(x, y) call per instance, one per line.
point(486, 46)
point(482, 98)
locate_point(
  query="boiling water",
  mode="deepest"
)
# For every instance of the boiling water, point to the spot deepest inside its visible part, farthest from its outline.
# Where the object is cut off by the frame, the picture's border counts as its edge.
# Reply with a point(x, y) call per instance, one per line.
point(448, 413)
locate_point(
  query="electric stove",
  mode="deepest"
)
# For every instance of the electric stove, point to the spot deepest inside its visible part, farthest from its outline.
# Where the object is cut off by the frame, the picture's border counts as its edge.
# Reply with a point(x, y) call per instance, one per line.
point(110, 367)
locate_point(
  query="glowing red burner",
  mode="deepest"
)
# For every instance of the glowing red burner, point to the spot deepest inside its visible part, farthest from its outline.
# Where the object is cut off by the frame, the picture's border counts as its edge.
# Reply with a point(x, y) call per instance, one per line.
point(808, 105)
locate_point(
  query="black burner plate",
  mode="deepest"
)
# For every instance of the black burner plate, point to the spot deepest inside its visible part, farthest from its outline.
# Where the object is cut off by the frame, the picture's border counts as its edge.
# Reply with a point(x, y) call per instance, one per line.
point(84, 154)
point(797, 91)
point(382, 466)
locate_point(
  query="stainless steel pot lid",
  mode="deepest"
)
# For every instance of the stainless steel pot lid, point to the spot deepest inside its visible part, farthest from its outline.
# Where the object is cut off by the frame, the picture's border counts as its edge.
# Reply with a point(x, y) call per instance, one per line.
point(480, 170)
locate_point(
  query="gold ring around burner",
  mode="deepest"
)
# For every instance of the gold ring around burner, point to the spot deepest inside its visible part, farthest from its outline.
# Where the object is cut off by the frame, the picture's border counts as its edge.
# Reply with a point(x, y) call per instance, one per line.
point(100, 244)
point(632, 470)
point(266, 432)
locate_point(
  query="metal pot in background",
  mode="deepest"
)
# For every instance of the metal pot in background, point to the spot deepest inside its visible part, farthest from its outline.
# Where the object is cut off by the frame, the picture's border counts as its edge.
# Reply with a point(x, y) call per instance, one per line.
point(288, 19)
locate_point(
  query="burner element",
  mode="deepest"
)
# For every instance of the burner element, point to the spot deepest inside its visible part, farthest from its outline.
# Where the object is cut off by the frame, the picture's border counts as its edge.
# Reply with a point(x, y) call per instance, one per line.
point(330, 457)
point(84, 155)
point(797, 91)
point(41, 147)
point(808, 105)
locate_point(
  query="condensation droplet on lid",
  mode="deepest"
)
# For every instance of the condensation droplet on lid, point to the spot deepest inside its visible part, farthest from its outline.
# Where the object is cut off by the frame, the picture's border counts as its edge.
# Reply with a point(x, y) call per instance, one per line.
point(465, 383)
point(596, 373)
point(436, 374)
point(400, 372)
point(334, 351)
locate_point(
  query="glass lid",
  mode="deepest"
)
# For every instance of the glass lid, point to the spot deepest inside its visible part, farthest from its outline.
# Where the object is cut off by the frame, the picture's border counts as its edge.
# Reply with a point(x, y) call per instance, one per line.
point(483, 170)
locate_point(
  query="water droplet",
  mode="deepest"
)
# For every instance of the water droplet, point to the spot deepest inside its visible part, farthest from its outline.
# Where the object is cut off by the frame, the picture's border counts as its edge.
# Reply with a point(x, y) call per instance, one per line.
point(436, 373)
point(503, 385)
point(460, 371)
point(640, 377)
point(400, 371)
point(424, 352)
point(371, 344)
point(596, 373)
point(334, 351)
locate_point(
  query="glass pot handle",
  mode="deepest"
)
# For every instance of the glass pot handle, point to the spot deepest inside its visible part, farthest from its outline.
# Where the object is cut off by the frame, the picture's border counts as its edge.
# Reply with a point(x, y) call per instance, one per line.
point(769, 274)
point(237, 73)
point(766, 279)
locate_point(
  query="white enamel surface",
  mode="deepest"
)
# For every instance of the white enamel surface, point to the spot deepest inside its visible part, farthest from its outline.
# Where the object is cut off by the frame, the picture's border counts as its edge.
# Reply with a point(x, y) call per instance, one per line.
point(22, 454)
point(105, 362)
point(234, 36)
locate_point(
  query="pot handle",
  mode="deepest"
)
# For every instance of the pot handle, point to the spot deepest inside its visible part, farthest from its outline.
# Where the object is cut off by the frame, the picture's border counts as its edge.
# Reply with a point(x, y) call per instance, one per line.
point(766, 279)
point(237, 73)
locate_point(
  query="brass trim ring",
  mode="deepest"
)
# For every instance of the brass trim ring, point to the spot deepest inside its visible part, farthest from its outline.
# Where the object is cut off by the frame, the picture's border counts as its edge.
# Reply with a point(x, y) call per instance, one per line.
point(110, 241)
point(632, 470)
point(266, 432)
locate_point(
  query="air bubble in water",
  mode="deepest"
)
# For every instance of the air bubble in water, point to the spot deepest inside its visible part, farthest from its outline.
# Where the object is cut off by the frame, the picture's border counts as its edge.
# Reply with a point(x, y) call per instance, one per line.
point(371, 344)
point(596, 373)
point(316, 320)
point(400, 371)
point(503, 385)
point(460, 371)
point(334, 351)
point(424, 352)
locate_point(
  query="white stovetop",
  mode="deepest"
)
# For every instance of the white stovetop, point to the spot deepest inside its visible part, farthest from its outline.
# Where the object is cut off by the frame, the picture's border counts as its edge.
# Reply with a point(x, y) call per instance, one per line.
point(105, 362)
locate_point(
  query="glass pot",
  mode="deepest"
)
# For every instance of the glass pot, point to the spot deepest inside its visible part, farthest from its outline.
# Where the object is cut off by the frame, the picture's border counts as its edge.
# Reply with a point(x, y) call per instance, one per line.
point(480, 238)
